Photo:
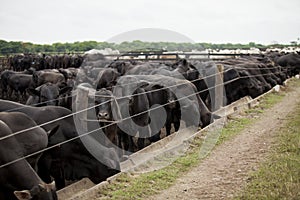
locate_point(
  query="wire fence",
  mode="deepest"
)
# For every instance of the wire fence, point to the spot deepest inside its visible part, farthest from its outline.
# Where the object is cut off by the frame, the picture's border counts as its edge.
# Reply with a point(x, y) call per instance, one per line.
point(142, 93)
point(123, 119)
point(179, 75)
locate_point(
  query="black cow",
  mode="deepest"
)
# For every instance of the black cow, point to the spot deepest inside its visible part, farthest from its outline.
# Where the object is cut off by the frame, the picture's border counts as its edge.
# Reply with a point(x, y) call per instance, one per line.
point(107, 78)
point(70, 161)
point(41, 77)
point(69, 73)
point(17, 62)
point(180, 70)
point(109, 109)
point(158, 95)
point(121, 66)
point(22, 62)
point(4, 76)
point(255, 72)
point(239, 83)
point(46, 94)
point(271, 74)
point(290, 61)
point(138, 109)
point(103, 101)
point(192, 73)
point(4, 79)
point(34, 140)
point(19, 178)
point(142, 68)
point(84, 75)
point(185, 92)
point(18, 84)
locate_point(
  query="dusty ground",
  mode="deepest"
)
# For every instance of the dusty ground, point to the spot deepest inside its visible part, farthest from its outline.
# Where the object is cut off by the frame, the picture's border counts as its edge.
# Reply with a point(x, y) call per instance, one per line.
point(227, 169)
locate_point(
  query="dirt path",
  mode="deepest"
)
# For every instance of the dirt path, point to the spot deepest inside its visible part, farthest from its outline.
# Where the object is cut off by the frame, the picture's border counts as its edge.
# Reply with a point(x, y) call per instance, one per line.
point(227, 168)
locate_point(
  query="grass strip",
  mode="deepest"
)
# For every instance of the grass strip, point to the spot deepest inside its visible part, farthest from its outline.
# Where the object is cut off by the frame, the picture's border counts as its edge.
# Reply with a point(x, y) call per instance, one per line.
point(279, 176)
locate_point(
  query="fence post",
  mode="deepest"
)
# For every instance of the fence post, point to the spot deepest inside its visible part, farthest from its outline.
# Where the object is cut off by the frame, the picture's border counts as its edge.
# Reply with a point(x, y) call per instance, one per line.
point(219, 89)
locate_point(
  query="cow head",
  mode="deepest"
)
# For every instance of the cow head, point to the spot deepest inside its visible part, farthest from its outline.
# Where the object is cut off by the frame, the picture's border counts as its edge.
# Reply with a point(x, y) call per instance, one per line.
point(249, 84)
point(171, 98)
point(107, 78)
point(42, 191)
point(48, 93)
point(103, 99)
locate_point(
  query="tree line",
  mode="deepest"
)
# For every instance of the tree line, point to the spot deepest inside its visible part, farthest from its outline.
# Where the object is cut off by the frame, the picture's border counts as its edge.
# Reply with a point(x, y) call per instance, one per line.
point(11, 47)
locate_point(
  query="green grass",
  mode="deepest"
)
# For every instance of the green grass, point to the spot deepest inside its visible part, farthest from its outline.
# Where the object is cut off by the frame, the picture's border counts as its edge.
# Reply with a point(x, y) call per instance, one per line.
point(231, 129)
point(271, 99)
point(279, 176)
point(130, 186)
point(237, 124)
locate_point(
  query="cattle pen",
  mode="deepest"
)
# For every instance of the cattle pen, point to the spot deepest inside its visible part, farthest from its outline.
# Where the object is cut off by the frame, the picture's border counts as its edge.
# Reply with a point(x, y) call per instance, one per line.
point(236, 82)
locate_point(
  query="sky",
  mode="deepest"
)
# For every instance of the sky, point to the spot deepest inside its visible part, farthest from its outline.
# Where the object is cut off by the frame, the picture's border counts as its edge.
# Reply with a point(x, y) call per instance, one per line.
point(215, 21)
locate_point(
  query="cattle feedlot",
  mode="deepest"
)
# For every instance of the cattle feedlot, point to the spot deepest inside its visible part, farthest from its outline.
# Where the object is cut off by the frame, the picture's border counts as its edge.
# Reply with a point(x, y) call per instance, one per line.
point(89, 126)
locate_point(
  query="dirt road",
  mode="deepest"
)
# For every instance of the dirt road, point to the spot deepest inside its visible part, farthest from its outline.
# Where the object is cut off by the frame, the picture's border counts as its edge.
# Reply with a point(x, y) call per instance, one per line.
point(226, 170)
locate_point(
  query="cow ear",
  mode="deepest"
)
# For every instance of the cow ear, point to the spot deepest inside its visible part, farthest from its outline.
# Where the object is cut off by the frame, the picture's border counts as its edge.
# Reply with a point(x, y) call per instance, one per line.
point(130, 101)
point(48, 187)
point(33, 92)
point(143, 84)
point(184, 62)
point(23, 195)
point(65, 90)
point(53, 131)
point(51, 186)
point(157, 87)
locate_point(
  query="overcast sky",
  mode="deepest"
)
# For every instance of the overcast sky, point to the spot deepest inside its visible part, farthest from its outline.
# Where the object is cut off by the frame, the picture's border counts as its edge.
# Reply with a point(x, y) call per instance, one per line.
point(217, 21)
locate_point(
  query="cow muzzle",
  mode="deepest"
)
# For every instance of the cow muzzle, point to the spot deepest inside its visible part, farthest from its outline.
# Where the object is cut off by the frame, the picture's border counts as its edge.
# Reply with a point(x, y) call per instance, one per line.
point(172, 104)
point(103, 116)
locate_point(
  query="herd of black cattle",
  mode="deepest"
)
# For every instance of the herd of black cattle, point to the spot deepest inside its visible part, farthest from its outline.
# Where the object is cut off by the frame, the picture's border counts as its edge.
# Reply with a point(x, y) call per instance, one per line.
point(32, 95)
point(20, 62)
